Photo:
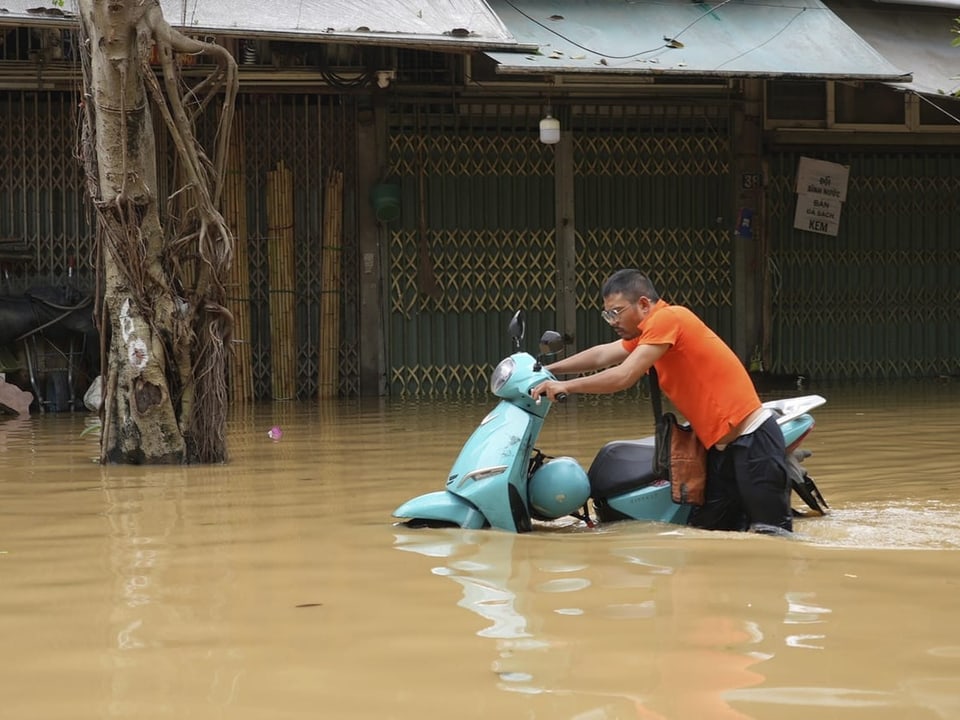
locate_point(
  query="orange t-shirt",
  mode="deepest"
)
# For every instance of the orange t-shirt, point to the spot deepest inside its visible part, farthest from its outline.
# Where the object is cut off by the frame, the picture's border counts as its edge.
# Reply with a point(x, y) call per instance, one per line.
point(700, 374)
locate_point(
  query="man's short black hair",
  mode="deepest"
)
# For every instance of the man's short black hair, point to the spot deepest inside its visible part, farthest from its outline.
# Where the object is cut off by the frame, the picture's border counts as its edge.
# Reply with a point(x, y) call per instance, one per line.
point(630, 283)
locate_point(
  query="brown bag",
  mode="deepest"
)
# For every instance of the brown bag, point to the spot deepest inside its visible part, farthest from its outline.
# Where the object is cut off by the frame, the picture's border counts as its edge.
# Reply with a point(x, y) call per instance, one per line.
point(681, 460)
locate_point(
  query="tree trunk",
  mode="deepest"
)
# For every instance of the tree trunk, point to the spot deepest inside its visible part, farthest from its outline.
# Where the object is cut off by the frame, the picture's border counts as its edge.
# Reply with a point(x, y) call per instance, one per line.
point(162, 307)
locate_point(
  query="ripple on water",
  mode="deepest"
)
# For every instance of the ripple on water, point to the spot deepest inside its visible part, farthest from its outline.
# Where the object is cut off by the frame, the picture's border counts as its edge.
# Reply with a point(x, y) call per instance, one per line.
point(899, 525)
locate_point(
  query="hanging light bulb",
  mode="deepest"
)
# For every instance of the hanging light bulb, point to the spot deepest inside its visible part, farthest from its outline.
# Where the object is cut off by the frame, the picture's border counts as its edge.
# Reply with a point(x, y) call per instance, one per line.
point(549, 129)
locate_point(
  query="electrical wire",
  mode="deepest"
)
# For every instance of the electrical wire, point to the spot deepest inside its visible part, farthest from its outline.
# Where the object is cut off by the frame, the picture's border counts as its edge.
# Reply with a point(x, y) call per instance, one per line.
point(665, 45)
point(938, 107)
point(715, 7)
point(768, 40)
point(669, 40)
point(576, 44)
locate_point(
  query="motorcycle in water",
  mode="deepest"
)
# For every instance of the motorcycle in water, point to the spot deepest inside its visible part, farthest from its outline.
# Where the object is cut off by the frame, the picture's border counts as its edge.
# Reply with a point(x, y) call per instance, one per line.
point(502, 480)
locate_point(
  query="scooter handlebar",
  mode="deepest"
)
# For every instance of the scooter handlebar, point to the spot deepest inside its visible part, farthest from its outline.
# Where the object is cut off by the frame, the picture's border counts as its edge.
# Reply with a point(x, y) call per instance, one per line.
point(560, 398)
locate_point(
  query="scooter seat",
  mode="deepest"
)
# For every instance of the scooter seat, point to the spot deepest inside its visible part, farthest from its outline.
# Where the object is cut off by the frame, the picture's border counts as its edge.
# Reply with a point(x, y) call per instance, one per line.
point(621, 466)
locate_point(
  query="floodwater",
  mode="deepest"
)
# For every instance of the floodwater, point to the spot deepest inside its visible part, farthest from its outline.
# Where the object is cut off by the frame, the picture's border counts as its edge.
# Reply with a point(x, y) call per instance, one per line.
point(278, 586)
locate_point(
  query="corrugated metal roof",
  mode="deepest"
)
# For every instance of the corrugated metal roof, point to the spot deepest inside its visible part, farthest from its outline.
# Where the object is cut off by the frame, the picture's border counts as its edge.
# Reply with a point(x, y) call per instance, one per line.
point(918, 39)
point(755, 38)
point(456, 23)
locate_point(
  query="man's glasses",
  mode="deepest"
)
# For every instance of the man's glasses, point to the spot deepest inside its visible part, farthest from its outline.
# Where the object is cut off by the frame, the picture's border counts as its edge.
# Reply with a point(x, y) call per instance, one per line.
point(613, 314)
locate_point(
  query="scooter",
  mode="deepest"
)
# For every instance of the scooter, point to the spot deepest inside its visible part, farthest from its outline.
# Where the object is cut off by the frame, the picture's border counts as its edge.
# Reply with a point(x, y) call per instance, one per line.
point(502, 480)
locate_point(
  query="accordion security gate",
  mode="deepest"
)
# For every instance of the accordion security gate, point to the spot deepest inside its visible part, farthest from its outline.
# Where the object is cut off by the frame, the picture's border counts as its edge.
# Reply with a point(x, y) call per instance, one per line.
point(310, 136)
point(651, 190)
point(44, 215)
point(476, 240)
point(881, 299)
point(474, 244)
point(42, 206)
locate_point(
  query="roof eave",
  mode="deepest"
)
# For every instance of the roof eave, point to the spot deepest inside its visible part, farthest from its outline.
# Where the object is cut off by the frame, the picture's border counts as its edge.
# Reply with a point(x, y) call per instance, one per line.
point(682, 73)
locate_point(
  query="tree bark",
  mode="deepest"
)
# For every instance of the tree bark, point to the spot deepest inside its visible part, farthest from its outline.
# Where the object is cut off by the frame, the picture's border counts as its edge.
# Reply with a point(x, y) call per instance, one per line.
point(162, 304)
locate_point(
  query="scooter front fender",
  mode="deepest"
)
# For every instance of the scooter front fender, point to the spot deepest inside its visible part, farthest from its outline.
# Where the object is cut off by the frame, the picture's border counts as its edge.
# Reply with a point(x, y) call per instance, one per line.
point(442, 506)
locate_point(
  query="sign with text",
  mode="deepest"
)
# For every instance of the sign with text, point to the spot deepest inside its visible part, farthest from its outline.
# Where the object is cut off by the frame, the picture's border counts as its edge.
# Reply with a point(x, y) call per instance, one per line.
point(819, 177)
point(817, 214)
point(821, 190)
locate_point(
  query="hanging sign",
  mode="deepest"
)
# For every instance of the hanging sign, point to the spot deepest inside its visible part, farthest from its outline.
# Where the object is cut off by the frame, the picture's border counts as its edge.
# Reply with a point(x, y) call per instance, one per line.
point(819, 177)
point(817, 214)
point(821, 191)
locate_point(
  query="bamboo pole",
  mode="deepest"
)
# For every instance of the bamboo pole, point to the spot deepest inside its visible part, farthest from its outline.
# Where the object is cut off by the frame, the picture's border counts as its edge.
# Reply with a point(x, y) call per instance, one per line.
point(240, 359)
point(283, 336)
point(329, 375)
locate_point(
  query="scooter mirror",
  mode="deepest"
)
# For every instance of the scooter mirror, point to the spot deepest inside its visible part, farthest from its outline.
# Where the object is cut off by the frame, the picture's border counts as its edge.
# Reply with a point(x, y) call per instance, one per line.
point(551, 342)
point(517, 327)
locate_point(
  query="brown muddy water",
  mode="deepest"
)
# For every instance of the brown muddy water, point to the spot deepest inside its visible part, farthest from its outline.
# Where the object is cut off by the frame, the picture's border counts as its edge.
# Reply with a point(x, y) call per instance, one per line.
point(278, 586)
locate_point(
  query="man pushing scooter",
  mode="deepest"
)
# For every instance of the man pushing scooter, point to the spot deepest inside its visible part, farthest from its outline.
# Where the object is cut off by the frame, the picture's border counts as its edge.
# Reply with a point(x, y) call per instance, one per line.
point(747, 482)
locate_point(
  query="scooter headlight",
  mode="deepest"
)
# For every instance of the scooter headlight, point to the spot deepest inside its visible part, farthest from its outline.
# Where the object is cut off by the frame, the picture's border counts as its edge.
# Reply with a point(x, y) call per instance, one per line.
point(501, 373)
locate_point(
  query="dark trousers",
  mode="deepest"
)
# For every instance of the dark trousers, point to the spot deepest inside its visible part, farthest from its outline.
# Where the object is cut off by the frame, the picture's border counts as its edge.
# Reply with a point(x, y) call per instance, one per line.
point(747, 486)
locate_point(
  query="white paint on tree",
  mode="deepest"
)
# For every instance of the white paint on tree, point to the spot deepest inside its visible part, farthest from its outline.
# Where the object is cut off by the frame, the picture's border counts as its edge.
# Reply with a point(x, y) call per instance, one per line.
point(137, 354)
point(126, 322)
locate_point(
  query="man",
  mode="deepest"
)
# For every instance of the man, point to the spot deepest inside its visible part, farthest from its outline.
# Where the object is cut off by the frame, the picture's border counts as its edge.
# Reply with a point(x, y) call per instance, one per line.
point(747, 486)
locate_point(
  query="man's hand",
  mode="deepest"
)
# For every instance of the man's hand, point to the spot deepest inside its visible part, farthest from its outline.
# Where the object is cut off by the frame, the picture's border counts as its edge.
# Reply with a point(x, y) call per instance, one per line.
point(550, 388)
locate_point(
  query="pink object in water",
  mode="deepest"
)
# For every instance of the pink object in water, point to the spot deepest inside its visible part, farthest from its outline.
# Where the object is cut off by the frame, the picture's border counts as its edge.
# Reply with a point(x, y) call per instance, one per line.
point(275, 433)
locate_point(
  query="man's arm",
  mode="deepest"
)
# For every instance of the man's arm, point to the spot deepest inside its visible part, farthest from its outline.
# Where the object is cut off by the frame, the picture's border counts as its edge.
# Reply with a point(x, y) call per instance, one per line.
point(593, 358)
point(613, 379)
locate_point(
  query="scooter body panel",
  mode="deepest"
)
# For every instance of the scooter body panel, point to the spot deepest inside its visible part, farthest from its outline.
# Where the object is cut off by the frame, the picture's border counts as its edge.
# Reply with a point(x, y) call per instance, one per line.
point(652, 503)
point(796, 428)
point(624, 486)
point(495, 458)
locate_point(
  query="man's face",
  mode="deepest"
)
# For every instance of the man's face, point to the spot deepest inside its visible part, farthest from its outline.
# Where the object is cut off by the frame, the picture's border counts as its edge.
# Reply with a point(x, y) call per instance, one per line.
point(624, 316)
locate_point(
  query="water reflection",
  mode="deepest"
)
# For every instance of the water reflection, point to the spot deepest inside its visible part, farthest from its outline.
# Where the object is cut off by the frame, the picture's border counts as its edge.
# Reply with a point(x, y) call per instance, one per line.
point(13, 430)
point(802, 611)
point(662, 634)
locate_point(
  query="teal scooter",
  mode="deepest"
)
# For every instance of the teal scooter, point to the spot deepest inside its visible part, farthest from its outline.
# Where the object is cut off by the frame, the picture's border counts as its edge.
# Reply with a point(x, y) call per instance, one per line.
point(502, 480)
